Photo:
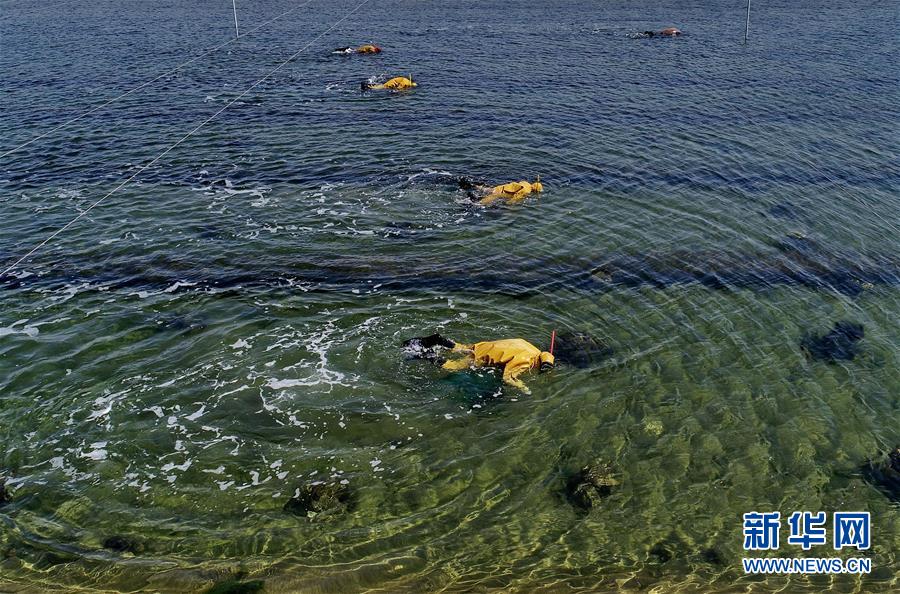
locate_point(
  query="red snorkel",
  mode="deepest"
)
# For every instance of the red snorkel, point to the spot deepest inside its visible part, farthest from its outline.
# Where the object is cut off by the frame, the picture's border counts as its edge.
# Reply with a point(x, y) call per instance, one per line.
point(552, 341)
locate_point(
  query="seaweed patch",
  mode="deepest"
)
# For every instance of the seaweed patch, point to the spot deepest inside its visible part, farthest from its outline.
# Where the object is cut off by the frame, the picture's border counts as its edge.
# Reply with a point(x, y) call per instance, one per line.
point(884, 474)
point(123, 544)
point(5, 497)
point(581, 350)
point(840, 344)
point(236, 586)
point(319, 499)
point(588, 487)
point(794, 260)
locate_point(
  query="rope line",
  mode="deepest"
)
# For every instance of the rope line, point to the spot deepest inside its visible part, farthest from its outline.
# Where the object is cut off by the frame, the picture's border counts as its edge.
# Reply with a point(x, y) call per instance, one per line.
point(180, 140)
point(147, 83)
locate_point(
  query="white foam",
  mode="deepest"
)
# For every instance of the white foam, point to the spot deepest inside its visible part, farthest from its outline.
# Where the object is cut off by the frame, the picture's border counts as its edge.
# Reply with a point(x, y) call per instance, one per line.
point(196, 415)
point(103, 405)
point(30, 330)
point(70, 291)
point(100, 413)
point(170, 466)
point(177, 285)
point(98, 454)
point(277, 384)
point(254, 478)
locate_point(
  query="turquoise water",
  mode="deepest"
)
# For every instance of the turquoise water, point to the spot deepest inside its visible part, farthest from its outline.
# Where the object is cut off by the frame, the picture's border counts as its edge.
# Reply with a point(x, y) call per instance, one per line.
point(226, 328)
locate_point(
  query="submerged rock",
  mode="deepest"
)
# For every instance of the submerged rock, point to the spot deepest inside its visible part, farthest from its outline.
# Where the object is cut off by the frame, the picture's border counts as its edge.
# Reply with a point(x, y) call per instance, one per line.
point(837, 345)
point(590, 485)
point(580, 350)
point(792, 262)
point(661, 552)
point(123, 544)
point(712, 556)
point(314, 499)
point(784, 210)
point(884, 474)
point(235, 586)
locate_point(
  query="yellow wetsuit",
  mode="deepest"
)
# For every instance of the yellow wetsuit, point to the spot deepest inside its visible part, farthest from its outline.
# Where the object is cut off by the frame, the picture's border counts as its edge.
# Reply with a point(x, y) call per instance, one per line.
point(514, 355)
point(398, 83)
point(513, 191)
point(368, 49)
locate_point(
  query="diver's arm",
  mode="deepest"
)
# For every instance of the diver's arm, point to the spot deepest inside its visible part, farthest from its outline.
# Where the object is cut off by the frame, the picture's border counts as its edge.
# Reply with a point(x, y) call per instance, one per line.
point(458, 364)
point(459, 347)
point(490, 199)
point(520, 193)
point(398, 84)
point(513, 370)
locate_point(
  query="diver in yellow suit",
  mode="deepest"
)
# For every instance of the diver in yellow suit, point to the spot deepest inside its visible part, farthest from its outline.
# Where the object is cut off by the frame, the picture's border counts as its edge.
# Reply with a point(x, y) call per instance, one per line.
point(511, 192)
point(514, 355)
point(398, 83)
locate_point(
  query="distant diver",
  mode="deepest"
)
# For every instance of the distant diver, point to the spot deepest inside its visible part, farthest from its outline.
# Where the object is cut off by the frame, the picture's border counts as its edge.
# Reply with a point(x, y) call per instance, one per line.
point(668, 32)
point(363, 49)
point(511, 192)
point(514, 355)
point(398, 83)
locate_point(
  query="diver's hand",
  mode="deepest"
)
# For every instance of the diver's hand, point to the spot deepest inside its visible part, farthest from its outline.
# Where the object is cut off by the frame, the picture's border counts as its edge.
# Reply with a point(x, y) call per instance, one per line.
point(511, 373)
point(518, 384)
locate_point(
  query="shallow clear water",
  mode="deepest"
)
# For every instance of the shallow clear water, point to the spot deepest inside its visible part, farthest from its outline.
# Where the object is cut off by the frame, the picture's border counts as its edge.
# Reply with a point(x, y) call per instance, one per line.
point(226, 328)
